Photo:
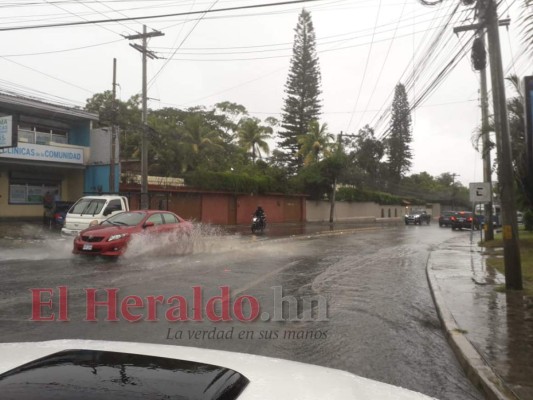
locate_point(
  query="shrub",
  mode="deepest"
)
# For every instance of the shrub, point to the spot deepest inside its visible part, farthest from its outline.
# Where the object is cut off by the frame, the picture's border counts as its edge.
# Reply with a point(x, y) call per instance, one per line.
point(353, 194)
point(229, 182)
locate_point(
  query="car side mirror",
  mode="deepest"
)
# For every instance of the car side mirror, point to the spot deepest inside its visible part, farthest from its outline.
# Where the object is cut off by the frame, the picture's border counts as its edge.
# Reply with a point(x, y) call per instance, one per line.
point(148, 224)
point(107, 211)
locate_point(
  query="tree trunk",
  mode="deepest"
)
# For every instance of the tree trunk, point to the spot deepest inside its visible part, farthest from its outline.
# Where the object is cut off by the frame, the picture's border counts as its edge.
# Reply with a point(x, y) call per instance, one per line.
point(332, 201)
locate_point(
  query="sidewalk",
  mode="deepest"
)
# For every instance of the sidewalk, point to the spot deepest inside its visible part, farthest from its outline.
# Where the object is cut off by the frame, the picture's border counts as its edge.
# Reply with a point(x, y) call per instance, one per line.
point(490, 331)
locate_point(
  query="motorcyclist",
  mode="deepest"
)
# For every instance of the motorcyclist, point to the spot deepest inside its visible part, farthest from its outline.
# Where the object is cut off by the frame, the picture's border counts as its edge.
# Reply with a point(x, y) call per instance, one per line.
point(260, 213)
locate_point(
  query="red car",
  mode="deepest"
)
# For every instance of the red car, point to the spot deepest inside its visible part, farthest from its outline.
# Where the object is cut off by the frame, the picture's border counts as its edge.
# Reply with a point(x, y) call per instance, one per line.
point(112, 236)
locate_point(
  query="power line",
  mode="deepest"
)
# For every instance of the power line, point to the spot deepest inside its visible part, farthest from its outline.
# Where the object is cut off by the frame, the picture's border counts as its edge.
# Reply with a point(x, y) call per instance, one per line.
point(366, 66)
point(79, 16)
point(48, 75)
point(63, 50)
point(382, 66)
point(181, 44)
point(104, 21)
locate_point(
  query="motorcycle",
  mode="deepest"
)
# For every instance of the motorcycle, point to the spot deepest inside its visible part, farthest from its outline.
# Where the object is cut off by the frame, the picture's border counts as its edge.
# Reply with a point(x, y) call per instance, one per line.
point(258, 223)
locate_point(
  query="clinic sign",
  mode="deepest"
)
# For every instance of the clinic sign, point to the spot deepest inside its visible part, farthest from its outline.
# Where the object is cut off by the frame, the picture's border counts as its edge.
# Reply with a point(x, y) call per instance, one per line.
point(8, 135)
point(37, 152)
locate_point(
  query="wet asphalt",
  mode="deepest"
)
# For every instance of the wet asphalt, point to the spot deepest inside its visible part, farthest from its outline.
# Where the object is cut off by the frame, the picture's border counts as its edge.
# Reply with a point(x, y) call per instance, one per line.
point(380, 318)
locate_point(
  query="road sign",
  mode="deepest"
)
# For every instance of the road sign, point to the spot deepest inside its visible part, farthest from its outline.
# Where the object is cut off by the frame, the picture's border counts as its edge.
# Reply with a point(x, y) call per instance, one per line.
point(480, 192)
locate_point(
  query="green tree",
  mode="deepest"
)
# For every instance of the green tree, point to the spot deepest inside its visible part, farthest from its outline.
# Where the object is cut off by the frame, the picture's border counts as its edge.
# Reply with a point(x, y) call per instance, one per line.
point(526, 24)
point(198, 138)
point(302, 104)
point(315, 143)
point(369, 152)
point(167, 154)
point(253, 136)
point(233, 113)
point(127, 116)
point(398, 143)
point(517, 130)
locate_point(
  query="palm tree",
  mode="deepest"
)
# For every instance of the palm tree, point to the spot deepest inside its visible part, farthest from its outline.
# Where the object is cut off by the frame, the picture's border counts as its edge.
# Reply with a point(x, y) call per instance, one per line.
point(197, 136)
point(315, 143)
point(526, 23)
point(254, 136)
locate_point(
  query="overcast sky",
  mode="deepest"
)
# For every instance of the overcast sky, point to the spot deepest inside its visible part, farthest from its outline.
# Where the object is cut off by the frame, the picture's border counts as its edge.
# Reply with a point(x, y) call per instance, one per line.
point(365, 48)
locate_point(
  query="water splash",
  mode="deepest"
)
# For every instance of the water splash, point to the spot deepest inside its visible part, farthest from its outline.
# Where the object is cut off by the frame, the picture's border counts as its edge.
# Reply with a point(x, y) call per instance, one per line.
point(203, 238)
point(31, 242)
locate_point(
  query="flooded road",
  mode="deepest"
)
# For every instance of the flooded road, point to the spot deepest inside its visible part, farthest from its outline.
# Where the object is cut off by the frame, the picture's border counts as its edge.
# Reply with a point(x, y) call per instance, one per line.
point(359, 302)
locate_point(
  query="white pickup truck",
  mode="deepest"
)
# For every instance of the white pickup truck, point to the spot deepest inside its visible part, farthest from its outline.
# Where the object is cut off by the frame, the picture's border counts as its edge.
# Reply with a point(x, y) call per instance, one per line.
point(91, 210)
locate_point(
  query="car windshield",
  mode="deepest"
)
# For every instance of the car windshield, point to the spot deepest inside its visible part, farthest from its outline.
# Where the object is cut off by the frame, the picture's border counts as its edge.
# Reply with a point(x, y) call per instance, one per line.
point(88, 206)
point(125, 219)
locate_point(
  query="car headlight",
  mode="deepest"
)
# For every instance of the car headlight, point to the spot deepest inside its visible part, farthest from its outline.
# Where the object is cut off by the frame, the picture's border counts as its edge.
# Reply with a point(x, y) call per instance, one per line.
point(117, 237)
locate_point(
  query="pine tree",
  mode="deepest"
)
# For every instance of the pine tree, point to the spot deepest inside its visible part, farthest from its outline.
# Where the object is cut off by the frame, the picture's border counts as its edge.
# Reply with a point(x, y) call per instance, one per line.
point(398, 143)
point(302, 104)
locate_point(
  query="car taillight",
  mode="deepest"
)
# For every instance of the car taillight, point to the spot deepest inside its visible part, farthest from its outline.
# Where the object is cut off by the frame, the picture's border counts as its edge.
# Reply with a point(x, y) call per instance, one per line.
point(469, 219)
point(452, 218)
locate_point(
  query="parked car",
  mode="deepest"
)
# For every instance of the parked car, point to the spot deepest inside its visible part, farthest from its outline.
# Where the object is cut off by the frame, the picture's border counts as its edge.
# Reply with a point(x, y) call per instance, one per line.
point(111, 237)
point(62, 207)
point(417, 217)
point(91, 210)
point(495, 220)
point(465, 220)
point(444, 218)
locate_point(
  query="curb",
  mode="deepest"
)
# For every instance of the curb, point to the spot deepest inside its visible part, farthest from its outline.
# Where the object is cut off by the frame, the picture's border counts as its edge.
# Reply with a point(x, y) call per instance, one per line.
point(476, 368)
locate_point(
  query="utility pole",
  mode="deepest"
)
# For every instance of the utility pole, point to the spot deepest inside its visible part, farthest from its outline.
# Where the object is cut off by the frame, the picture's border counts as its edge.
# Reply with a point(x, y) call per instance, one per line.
point(454, 175)
point(144, 141)
point(488, 15)
point(334, 189)
point(487, 170)
point(511, 248)
point(113, 129)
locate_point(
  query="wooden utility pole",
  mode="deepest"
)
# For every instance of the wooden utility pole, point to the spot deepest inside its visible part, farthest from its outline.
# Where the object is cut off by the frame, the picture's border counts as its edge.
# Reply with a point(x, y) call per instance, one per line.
point(144, 141)
point(487, 169)
point(113, 130)
point(488, 16)
point(511, 248)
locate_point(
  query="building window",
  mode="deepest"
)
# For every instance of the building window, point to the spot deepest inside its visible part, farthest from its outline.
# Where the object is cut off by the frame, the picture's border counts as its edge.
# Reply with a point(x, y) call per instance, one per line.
point(27, 190)
point(41, 135)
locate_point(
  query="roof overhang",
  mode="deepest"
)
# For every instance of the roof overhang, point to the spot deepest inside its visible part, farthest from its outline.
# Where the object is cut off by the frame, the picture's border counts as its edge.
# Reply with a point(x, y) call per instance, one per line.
point(40, 164)
point(19, 104)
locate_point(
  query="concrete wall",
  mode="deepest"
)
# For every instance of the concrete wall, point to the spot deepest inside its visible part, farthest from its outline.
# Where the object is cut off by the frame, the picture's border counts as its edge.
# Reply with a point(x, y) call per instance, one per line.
point(220, 208)
point(72, 186)
point(215, 209)
point(345, 211)
point(273, 206)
